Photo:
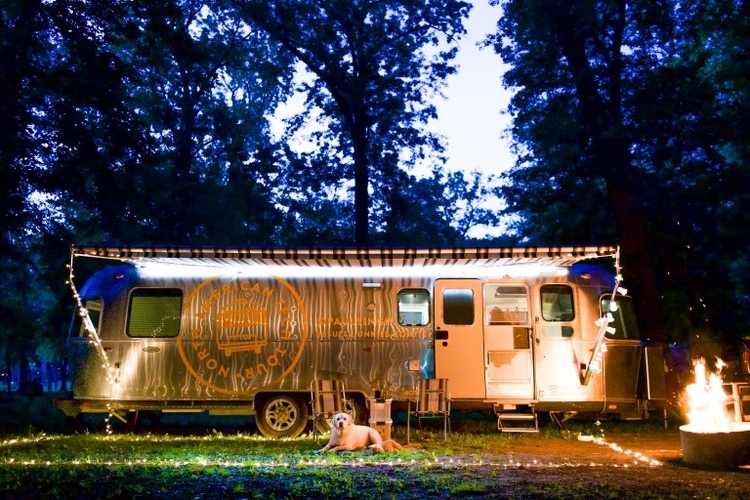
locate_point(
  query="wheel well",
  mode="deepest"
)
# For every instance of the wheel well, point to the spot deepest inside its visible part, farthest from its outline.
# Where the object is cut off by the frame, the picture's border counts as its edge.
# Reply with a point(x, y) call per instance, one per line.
point(358, 399)
point(262, 397)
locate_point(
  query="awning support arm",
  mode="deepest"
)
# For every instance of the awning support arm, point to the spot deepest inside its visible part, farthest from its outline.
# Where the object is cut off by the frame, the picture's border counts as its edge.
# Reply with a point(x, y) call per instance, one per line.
point(600, 347)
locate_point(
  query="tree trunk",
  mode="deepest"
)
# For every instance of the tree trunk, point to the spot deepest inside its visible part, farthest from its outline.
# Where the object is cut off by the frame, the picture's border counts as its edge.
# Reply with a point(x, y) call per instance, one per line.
point(361, 186)
point(636, 257)
point(8, 372)
point(610, 151)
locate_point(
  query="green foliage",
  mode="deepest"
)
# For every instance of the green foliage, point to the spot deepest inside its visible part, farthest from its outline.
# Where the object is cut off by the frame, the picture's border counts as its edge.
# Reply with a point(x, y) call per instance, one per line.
point(22, 50)
point(194, 86)
point(625, 121)
point(370, 81)
point(151, 122)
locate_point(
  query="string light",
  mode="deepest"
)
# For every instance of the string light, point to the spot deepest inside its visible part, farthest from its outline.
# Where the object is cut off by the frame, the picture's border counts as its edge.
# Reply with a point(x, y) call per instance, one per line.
point(353, 461)
point(596, 361)
point(95, 340)
point(90, 329)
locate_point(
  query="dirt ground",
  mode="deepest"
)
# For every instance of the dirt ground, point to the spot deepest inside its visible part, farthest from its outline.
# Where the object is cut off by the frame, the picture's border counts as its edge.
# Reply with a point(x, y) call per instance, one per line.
point(616, 466)
point(622, 466)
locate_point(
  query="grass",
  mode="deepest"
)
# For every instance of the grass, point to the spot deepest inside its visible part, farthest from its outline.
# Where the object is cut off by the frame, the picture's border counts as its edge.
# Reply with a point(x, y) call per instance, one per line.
point(215, 449)
point(39, 460)
point(243, 465)
point(33, 430)
point(237, 466)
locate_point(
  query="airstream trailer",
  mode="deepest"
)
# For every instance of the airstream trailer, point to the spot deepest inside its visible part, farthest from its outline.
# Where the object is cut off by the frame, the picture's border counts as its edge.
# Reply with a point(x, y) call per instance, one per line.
point(517, 331)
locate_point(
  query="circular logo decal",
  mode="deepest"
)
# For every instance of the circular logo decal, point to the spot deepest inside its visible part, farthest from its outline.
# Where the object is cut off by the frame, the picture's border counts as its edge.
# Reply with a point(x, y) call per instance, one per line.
point(242, 334)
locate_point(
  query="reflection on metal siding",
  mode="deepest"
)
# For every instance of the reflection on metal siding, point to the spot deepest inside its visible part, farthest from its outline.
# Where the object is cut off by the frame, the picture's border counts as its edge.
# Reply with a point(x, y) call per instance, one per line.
point(246, 332)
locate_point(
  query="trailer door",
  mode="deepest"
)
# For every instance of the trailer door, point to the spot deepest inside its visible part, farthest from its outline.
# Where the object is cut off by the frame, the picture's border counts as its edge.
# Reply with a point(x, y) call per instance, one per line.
point(510, 360)
point(459, 339)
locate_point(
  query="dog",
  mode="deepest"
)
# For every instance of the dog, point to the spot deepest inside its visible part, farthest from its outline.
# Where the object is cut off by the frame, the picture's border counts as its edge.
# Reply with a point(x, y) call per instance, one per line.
point(348, 436)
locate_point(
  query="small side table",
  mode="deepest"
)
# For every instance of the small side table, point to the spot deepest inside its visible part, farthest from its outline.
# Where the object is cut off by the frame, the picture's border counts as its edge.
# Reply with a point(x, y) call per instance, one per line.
point(380, 416)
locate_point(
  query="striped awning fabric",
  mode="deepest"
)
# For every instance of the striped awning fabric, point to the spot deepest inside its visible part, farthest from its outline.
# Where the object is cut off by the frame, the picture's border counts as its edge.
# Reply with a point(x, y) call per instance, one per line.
point(353, 257)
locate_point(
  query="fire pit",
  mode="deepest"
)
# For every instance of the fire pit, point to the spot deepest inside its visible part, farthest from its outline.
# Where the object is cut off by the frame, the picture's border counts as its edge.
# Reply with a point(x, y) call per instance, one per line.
point(714, 438)
point(716, 450)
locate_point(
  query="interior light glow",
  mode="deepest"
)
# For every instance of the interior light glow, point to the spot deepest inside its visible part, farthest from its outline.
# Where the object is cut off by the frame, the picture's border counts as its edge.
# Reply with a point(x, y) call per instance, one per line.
point(167, 270)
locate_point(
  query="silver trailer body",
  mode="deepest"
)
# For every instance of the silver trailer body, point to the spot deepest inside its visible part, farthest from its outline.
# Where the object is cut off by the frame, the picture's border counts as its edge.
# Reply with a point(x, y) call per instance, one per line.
point(246, 331)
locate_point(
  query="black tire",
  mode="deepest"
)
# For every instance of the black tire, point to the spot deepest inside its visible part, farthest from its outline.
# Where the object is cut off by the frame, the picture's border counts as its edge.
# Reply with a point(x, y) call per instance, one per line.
point(281, 415)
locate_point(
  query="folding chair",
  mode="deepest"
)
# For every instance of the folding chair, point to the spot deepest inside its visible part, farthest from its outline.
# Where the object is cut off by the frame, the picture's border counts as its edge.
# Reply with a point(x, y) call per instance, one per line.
point(433, 401)
point(327, 399)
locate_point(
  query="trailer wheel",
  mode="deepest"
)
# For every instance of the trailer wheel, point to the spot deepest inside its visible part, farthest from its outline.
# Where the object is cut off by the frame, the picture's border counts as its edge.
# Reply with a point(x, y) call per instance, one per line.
point(282, 415)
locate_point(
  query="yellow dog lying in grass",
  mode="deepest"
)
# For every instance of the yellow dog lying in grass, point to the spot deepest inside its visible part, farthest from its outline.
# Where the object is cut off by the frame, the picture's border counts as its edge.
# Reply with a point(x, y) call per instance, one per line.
point(348, 436)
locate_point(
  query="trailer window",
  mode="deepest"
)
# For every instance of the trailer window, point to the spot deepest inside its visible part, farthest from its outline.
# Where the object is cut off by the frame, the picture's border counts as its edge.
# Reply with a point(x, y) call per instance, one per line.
point(557, 303)
point(414, 307)
point(154, 312)
point(94, 308)
point(625, 324)
point(506, 305)
point(458, 306)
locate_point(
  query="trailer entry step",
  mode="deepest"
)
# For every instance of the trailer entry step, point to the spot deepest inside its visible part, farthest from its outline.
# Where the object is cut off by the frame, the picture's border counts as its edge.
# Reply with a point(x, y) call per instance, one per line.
point(517, 422)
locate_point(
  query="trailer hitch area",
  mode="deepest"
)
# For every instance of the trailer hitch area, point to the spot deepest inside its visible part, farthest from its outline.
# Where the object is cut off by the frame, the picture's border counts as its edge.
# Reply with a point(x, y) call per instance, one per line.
point(118, 416)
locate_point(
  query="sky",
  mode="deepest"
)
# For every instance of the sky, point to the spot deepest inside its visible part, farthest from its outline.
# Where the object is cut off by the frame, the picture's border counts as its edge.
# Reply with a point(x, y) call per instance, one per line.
point(471, 116)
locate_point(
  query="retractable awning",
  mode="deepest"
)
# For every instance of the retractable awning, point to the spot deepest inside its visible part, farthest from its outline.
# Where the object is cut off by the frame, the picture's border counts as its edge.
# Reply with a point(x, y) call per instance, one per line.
point(350, 257)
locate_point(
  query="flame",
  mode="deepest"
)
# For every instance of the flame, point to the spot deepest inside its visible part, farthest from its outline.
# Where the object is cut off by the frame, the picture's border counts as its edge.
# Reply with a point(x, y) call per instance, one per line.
point(707, 400)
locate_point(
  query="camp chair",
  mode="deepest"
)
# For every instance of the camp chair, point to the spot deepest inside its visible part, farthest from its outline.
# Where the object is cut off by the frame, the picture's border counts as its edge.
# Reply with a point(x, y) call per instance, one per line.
point(433, 401)
point(327, 399)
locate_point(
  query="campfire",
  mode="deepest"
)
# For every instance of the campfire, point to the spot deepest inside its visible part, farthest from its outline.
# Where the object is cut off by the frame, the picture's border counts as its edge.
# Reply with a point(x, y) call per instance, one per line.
point(707, 400)
point(715, 437)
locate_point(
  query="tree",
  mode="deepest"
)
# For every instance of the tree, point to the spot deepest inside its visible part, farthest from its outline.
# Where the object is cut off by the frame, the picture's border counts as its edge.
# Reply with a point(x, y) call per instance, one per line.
point(576, 67)
point(189, 88)
point(625, 111)
point(22, 52)
point(372, 77)
point(697, 144)
point(442, 207)
point(412, 211)
point(205, 84)
point(25, 302)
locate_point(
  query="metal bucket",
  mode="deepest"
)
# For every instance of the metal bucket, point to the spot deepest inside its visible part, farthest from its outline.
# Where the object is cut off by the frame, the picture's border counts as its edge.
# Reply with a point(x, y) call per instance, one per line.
point(716, 450)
